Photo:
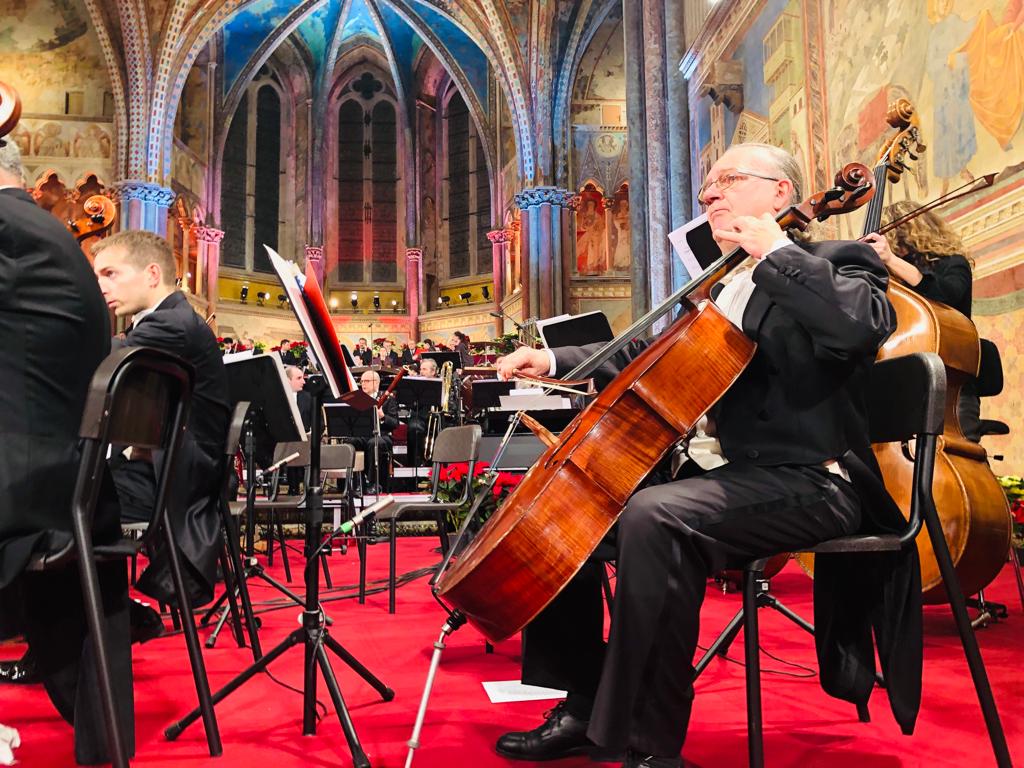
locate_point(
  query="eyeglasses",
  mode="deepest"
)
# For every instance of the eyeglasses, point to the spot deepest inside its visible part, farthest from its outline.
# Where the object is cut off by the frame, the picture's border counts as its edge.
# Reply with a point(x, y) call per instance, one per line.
point(727, 178)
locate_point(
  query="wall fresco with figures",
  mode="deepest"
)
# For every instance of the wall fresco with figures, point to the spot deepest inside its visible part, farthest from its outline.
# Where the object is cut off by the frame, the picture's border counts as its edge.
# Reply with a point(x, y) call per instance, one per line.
point(50, 55)
point(817, 76)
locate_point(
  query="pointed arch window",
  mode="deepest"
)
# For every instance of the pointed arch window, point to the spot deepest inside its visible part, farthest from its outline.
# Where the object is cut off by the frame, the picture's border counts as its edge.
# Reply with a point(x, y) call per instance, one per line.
point(468, 194)
point(368, 188)
point(251, 177)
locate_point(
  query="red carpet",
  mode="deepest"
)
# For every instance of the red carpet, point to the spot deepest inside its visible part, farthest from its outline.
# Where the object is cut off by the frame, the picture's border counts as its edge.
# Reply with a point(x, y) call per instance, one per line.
point(261, 723)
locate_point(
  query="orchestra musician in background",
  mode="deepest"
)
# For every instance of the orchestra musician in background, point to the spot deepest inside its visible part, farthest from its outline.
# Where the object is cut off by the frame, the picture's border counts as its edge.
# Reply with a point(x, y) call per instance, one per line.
point(304, 401)
point(928, 257)
point(365, 436)
point(362, 352)
point(416, 426)
point(459, 342)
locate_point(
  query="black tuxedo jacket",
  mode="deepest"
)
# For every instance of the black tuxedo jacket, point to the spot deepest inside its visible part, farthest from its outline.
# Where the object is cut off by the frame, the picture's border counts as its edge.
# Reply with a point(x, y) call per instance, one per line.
point(55, 330)
point(819, 313)
point(175, 327)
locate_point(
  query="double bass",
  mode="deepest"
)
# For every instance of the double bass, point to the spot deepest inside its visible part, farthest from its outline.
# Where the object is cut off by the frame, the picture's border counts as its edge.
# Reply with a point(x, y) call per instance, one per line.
point(970, 502)
point(541, 535)
point(971, 505)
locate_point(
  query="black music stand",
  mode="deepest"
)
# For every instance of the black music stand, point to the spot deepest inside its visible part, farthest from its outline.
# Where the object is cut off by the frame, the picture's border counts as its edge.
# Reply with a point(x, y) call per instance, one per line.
point(415, 392)
point(307, 302)
point(443, 357)
point(261, 381)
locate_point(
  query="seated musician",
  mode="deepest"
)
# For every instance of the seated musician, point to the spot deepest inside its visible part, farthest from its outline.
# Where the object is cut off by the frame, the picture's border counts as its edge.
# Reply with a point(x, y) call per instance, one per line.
point(304, 401)
point(136, 272)
point(926, 255)
point(375, 443)
point(780, 480)
point(416, 426)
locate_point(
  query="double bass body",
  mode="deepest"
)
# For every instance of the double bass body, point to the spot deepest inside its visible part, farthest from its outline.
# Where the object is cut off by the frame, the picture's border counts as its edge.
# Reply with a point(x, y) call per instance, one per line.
point(971, 504)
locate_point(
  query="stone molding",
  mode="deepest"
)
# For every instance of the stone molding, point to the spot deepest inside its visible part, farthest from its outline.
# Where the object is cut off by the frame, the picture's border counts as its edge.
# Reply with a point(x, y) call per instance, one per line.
point(530, 198)
point(145, 192)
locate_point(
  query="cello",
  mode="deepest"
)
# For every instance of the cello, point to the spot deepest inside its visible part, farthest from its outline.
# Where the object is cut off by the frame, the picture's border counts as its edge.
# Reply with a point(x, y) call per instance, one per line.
point(530, 548)
point(970, 503)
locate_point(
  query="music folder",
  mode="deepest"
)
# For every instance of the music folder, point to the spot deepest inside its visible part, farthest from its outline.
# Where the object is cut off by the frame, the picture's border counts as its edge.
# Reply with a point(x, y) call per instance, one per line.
point(575, 330)
point(443, 357)
point(310, 309)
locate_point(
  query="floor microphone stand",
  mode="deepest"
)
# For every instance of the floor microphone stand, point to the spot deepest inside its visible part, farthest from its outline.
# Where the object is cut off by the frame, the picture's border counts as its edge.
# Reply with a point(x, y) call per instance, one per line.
point(456, 619)
point(313, 634)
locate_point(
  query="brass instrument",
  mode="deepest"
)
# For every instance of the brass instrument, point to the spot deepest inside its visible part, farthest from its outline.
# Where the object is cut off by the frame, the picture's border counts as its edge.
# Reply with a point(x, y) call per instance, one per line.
point(436, 416)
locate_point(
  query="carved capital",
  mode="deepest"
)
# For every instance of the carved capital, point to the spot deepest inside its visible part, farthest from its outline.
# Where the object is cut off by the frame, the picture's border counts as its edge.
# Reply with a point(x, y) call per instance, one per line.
point(414, 254)
point(529, 198)
point(146, 192)
point(208, 234)
point(500, 236)
point(314, 253)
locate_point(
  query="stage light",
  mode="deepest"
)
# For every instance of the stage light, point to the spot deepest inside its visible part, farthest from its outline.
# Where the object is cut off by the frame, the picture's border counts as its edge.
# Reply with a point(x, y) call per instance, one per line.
point(282, 299)
point(243, 295)
point(466, 296)
point(376, 302)
point(353, 299)
point(262, 297)
point(394, 305)
point(486, 291)
point(445, 300)
point(334, 303)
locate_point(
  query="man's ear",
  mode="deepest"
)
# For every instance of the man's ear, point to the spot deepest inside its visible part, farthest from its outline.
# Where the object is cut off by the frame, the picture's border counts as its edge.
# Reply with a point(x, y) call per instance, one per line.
point(154, 276)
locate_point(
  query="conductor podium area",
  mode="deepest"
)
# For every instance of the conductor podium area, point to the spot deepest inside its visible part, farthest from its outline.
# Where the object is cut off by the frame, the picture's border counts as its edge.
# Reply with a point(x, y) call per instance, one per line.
point(260, 723)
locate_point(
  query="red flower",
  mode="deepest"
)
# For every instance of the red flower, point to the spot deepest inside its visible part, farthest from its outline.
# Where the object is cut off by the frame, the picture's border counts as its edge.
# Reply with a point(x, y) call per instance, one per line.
point(480, 469)
point(1017, 510)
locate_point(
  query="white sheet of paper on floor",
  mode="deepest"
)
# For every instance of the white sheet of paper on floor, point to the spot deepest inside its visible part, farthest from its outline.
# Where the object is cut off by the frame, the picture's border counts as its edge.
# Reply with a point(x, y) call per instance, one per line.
point(503, 691)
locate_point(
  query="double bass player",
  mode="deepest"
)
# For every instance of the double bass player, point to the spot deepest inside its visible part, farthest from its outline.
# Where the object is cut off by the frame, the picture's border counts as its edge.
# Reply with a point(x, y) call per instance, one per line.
point(786, 464)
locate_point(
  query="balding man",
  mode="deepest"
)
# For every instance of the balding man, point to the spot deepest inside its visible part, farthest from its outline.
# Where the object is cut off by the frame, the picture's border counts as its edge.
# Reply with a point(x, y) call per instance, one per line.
point(774, 475)
point(373, 444)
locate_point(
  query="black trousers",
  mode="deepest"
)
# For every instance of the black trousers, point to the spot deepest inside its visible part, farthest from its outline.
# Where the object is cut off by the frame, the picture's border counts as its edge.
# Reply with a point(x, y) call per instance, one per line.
point(374, 448)
point(669, 540)
point(53, 615)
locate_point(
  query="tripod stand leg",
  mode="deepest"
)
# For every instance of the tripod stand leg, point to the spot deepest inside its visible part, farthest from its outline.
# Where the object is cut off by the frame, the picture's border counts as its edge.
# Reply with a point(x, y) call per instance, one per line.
point(385, 693)
point(231, 590)
point(721, 645)
point(174, 731)
point(214, 609)
point(773, 602)
point(211, 641)
point(359, 758)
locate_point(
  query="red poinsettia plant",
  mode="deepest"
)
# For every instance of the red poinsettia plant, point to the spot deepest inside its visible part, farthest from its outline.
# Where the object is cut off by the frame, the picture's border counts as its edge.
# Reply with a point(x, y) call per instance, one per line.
point(451, 481)
point(1013, 487)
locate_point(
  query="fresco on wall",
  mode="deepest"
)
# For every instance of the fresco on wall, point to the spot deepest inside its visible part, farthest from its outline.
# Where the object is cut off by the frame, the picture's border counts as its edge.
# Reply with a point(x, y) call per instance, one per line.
point(817, 76)
point(317, 28)
point(192, 120)
point(461, 48)
point(599, 92)
point(591, 233)
point(33, 26)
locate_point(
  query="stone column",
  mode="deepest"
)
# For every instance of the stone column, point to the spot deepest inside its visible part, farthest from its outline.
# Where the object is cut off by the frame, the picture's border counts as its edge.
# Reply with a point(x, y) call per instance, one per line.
point(543, 246)
point(315, 256)
point(144, 206)
point(208, 239)
point(185, 225)
point(414, 289)
point(500, 238)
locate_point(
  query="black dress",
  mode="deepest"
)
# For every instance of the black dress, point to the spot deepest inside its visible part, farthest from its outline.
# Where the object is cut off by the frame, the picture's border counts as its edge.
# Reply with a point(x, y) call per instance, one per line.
point(949, 280)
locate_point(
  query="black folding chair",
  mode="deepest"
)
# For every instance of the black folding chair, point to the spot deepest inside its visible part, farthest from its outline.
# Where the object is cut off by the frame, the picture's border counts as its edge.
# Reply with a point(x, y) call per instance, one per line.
point(454, 445)
point(139, 397)
point(906, 401)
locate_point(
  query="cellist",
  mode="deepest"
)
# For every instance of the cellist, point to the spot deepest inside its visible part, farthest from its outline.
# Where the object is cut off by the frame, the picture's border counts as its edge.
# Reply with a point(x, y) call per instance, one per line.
point(776, 472)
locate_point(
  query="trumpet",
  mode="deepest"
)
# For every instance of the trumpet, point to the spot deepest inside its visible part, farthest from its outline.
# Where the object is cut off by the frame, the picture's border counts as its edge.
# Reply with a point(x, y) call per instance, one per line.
point(436, 416)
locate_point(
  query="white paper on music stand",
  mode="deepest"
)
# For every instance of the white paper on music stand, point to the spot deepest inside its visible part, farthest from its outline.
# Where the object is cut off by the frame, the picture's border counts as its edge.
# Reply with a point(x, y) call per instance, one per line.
point(243, 355)
point(504, 691)
point(275, 361)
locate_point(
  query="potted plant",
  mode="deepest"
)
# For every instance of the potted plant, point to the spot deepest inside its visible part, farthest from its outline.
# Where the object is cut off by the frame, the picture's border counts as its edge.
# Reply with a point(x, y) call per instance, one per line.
point(1013, 487)
point(451, 482)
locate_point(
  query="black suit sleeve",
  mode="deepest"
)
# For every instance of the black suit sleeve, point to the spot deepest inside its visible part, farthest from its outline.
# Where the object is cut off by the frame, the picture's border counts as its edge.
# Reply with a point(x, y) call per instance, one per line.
point(390, 421)
point(836, 294)
point(567, 358)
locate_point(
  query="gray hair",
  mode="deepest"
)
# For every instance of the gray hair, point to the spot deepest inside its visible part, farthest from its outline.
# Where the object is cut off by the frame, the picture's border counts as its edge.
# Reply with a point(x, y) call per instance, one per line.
point(10, 160)
point(785, 165)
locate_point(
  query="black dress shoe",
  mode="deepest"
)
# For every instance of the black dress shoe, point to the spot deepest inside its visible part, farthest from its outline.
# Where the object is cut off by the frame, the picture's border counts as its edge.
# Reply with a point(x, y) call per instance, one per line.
point(20, 672)
point(146, 623)
point(560, 735)
point(641, 760)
